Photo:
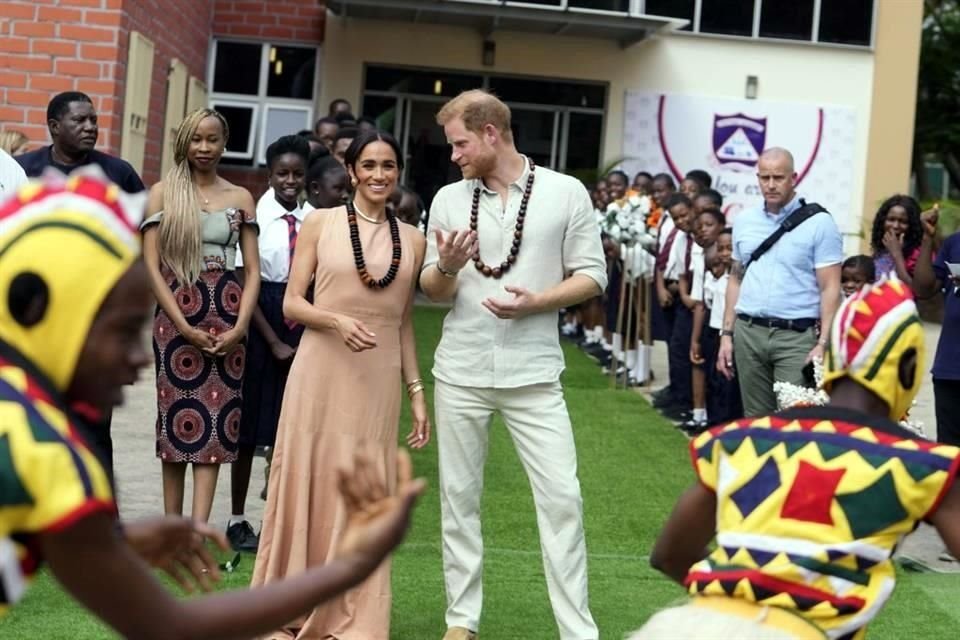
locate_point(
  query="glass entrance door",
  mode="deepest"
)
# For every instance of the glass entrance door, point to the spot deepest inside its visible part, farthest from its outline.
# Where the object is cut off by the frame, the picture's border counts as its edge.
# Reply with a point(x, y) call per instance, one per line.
point(564, 133)
point(428, 165)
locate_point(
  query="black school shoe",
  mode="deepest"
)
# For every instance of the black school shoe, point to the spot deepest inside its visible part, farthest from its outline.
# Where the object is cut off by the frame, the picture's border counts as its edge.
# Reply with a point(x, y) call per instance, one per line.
point(242, 538)
point(694, 427)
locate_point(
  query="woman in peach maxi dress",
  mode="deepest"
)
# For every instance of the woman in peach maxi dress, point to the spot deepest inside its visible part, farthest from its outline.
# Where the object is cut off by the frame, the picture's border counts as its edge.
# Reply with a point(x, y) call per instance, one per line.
point(344, 389)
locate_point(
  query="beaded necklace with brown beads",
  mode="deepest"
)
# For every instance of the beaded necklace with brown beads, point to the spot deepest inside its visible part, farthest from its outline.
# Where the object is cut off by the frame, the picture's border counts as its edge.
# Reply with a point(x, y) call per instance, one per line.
point(497, 272)
point(358, 260)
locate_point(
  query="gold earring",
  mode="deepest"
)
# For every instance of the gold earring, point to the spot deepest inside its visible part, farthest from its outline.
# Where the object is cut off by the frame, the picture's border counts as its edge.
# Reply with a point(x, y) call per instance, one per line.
point(354, 182)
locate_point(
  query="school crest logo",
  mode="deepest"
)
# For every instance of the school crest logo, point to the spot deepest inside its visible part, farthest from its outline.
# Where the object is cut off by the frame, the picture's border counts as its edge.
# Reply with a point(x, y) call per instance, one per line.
point(738, 139)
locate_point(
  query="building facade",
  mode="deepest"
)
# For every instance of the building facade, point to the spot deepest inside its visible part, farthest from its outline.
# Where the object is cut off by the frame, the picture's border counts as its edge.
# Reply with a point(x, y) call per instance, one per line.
point(572, 70)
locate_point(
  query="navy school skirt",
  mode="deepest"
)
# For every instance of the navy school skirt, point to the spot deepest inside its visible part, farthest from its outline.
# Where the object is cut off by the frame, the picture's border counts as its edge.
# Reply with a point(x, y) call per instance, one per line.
point(263, 391)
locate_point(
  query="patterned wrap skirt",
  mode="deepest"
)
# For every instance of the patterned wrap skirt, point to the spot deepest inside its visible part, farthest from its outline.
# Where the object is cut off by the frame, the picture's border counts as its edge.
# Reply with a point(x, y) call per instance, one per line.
point(199, 396)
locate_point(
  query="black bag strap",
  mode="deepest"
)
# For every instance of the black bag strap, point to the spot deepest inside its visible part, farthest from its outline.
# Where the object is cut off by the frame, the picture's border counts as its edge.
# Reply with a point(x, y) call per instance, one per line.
point(794, 220)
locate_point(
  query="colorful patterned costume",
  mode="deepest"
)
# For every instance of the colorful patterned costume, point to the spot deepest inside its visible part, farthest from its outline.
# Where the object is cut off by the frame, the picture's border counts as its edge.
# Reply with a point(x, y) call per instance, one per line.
point(812, 502)
point(75, 240)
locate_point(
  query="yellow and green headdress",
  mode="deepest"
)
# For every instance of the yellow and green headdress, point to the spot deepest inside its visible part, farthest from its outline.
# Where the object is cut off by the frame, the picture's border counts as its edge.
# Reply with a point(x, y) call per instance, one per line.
point(64, 244)
point(874, 334)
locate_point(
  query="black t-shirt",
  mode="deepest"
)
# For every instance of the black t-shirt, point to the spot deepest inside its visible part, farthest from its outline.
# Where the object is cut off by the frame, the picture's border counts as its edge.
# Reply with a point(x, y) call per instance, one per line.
point(118, 170)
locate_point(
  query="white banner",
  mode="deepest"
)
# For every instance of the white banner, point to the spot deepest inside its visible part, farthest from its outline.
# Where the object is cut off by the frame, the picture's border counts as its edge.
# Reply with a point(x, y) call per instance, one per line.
point(676, 133)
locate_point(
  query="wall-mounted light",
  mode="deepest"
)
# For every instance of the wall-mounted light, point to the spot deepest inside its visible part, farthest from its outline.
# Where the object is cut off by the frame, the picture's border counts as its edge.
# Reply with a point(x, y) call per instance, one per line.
point(751, 91)
point(489, 53)
point(437, 87)
point(278, 67)
point(273, 54)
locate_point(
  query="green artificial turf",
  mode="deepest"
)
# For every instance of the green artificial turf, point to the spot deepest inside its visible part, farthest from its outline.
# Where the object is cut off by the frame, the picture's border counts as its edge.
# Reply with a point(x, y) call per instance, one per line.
point(633, 465)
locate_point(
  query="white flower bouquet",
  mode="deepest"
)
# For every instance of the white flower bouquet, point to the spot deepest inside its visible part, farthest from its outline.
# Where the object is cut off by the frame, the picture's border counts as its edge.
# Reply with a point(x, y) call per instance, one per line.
point(625, 220)
point(792, 395)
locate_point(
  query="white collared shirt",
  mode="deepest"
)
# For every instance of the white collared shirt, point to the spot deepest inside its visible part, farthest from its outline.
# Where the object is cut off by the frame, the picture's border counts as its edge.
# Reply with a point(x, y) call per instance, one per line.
point(560, 238)
point(676, 263)
point(698, 265)
point(274, 238)
point(715, 297)
point(12, 175)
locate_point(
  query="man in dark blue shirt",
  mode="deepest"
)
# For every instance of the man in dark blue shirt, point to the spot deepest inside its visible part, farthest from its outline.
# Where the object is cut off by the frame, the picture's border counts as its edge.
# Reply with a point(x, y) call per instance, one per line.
point(932, 275)
point(72, 121)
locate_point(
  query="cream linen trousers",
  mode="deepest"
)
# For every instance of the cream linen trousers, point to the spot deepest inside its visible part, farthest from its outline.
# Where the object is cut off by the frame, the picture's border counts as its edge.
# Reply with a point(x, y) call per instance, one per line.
point(537, 420)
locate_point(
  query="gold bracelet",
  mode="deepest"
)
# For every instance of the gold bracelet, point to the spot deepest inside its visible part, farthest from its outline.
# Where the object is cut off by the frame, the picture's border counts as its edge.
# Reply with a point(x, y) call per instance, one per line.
point(414, 390)
point(413, 382)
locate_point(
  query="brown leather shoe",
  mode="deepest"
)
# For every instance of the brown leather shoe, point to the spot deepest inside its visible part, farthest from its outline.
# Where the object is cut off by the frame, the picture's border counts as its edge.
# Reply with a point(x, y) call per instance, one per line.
point(459, 633)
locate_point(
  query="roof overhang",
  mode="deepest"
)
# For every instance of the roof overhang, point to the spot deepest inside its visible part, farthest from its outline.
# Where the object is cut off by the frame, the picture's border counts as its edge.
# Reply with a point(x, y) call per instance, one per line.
point(488, 16)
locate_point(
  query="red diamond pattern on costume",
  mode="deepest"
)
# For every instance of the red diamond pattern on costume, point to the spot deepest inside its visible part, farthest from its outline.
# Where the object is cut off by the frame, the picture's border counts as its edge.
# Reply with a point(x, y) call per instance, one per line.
point(812, 494)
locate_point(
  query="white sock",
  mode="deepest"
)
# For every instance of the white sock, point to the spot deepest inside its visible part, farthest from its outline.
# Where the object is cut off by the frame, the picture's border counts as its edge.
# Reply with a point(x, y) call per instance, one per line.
point(631, 360)
point(641, 370)
point(236, 519)
point(699, 415)
point(618, 342)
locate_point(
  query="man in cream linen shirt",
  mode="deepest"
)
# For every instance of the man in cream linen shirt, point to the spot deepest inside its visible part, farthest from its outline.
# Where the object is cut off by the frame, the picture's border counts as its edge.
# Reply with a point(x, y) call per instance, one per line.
point(500, 351)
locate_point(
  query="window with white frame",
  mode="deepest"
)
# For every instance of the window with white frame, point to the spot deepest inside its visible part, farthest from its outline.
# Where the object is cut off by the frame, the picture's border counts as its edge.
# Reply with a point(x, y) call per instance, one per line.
point(264, 90)
point(620, 6)
point(844, 22)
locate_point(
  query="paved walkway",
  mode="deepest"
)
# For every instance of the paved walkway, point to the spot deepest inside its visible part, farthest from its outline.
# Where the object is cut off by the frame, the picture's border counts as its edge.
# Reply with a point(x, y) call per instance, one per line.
point(140, 491)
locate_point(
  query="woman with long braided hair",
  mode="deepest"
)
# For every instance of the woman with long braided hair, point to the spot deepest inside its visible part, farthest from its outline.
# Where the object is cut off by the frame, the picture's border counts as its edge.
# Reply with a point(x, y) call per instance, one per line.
point(195, 221)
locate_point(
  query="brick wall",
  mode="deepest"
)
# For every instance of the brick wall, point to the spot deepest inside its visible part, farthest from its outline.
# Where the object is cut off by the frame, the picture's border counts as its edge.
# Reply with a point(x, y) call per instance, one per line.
point(81, 45)
point(179, 29)
point(299, 20)
point(58, 45)
point(253, 179)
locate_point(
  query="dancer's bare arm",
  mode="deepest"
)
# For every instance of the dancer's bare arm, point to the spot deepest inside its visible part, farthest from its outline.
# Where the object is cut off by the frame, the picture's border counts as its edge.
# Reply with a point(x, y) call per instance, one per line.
point(686, 534)
point(100, 570)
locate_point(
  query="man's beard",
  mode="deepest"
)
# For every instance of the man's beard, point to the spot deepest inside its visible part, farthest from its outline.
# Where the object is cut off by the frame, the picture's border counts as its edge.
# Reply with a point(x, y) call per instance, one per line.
point(481, 166)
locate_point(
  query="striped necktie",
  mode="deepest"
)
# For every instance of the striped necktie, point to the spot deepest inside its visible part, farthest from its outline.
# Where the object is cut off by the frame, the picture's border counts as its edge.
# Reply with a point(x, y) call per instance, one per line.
point(291, 221)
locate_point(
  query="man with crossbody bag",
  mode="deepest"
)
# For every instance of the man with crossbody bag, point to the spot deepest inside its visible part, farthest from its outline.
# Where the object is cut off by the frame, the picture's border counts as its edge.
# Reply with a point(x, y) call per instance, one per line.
point(785, 278)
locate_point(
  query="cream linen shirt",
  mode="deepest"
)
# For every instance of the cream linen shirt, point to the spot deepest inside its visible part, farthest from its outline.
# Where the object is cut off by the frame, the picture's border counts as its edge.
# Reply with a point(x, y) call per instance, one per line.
point(12, 176)
point(560, 238)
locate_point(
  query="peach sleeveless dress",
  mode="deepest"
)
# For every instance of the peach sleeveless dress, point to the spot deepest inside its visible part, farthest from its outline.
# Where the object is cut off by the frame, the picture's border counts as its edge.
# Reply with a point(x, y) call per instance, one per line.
point(334, 400)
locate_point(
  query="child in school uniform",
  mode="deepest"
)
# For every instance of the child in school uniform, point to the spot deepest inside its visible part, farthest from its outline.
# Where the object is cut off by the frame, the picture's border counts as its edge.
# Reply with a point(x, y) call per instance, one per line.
point(709, 223)
point(723, 395)
point(677, 264)
point(272, 341)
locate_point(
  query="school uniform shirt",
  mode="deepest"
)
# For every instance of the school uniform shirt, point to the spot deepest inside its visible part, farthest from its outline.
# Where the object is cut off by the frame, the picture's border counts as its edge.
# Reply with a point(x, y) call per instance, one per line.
point(663, 230)
point(715, 297)
point(677, 262)
point(12, 175)
point(274, 238)
point(698, 265)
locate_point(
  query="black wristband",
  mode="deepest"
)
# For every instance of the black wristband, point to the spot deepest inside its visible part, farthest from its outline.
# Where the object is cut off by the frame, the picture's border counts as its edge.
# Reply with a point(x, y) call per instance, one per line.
point(444, 272)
